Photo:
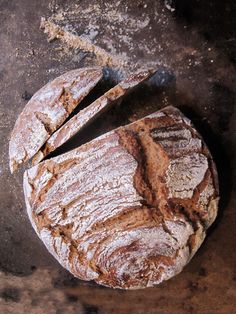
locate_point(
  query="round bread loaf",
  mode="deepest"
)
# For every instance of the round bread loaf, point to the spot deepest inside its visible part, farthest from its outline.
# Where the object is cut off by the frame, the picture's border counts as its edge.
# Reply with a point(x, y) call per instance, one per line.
point(130, 208)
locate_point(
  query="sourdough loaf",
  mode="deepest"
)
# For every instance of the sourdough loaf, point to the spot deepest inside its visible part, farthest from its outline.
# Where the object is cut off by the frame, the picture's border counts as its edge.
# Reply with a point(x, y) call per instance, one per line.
point(88, 114)
point(130, 208)
point(47, 110)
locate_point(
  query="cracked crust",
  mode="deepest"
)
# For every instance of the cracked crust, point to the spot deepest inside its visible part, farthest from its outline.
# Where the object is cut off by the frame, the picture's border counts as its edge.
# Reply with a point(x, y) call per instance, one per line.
point(128, 209)
point(87, 115)
point(47, 110)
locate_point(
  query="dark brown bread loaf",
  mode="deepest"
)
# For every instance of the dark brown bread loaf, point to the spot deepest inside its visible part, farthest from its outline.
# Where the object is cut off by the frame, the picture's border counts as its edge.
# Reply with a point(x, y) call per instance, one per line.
point(130, 208)
point(47, 110)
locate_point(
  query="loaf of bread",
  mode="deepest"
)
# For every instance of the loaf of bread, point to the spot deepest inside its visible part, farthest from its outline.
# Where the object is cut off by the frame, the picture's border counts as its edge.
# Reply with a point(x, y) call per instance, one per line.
point(130, 208)
point(47, 110)
point(90, 113)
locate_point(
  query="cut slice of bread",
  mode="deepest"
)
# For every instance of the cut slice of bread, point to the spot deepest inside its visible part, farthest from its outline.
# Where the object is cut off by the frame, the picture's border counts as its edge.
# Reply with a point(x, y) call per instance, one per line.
point(47, 110)
point(90, 113)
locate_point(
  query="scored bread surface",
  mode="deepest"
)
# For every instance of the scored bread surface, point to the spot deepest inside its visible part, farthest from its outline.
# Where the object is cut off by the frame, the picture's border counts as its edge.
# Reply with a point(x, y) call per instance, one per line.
point(130, 208)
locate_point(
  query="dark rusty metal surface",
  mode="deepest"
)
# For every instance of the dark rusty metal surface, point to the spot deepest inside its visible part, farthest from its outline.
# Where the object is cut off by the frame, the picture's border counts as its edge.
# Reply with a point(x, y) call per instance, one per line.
point(197, 74)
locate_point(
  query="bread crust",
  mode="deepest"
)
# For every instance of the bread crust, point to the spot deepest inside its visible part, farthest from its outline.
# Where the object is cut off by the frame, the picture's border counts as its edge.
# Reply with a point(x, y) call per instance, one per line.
point(47, 110)
point(130, 208)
